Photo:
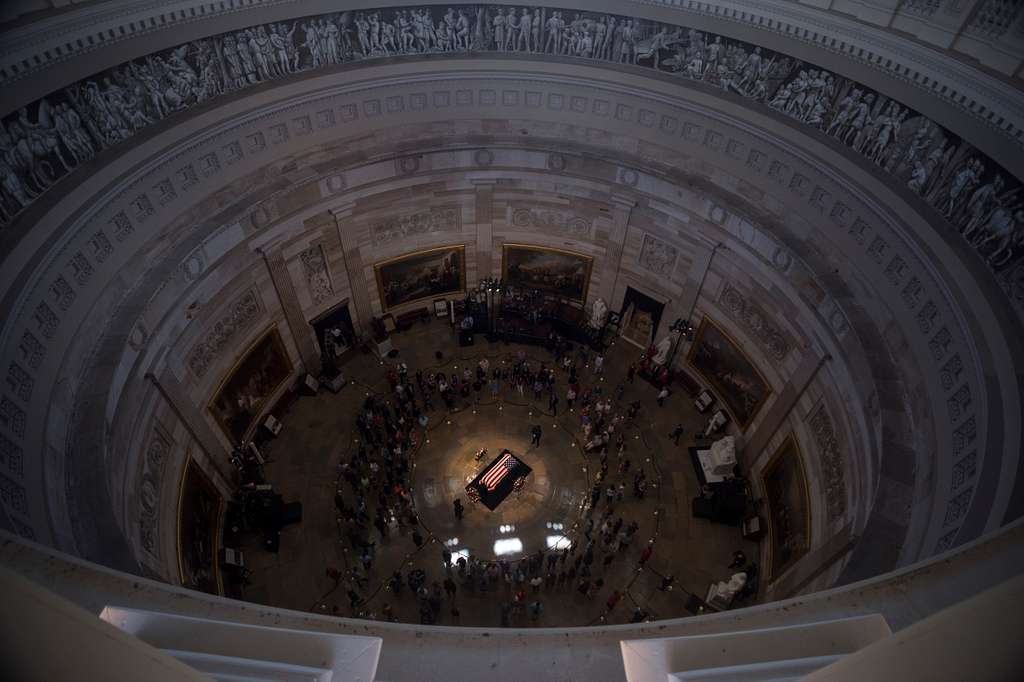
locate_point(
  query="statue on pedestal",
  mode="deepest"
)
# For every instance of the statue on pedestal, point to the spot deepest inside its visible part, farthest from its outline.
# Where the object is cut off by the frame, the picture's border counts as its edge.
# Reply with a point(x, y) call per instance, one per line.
point(598, 314)
point(663, 348)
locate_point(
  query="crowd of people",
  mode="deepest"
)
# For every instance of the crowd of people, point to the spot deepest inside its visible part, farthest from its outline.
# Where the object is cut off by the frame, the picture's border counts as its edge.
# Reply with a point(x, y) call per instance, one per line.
point(375, 504)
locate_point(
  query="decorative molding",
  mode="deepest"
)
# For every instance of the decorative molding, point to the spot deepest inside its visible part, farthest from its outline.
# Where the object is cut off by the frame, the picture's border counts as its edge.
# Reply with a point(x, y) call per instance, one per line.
point(658, 256)
point(550, 220)
point(194, 265)
point(416, 224)
point(149, 491)
point(243, 311)
point(743, 310)
point(483, 157)
point(832, 461)
point(318, 277)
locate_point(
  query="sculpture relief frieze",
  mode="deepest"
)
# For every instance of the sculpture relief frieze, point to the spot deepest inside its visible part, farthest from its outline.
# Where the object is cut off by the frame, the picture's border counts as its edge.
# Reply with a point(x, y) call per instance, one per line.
point(755, 320)
point(833, 466)
point(55, 135)
point(416, 224)
point(318, 278)
point(550, 220)
point(242, 312)
point(658, 256)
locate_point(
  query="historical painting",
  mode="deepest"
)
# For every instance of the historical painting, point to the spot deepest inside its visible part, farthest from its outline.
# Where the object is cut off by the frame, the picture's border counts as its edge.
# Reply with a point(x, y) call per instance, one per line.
point(199, 512)
point(250, 384)
point(731, 373)
point(421, 275)
point(784, 486)
point(641, 315)
point(564, 273)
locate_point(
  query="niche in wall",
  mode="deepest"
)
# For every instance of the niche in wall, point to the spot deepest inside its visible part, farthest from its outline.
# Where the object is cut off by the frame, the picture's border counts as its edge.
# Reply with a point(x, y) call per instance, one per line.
point(640, 315)
point(335, 333)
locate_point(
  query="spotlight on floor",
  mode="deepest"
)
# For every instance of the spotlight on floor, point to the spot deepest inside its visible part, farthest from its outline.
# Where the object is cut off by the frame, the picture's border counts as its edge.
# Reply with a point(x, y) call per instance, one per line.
point(508, 546)
point(558, 542)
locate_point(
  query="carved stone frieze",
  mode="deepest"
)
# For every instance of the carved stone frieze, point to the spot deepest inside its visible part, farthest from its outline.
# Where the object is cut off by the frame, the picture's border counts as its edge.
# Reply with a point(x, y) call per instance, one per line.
point(658, 256)
point(318, 278)
point(149, 491)
point(241, 313)
point(755, 320)
point(551, 220)
point(832, 462)
point(417, 224)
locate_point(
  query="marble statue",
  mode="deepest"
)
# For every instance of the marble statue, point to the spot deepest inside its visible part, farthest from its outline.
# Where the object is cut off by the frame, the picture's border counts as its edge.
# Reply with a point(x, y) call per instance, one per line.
point(723, 592)
point(723, 456)
point(598, 314)
point(716, 422)
point(662, 349)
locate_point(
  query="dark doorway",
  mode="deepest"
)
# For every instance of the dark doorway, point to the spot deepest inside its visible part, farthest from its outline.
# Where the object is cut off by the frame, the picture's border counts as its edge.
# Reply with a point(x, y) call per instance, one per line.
point(335, 336)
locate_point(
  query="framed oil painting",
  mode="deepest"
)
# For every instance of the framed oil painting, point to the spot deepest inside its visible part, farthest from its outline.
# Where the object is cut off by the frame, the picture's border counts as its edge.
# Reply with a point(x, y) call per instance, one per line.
point(420, 275)
point(199, 514)
point(641, 316)
point(564, 273)
point(784, 486)
point(731, 373)
point(249, 385)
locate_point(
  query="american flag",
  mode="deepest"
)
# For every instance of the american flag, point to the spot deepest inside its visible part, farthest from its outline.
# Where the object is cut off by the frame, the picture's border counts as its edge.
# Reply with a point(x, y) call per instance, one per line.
point(497, 472)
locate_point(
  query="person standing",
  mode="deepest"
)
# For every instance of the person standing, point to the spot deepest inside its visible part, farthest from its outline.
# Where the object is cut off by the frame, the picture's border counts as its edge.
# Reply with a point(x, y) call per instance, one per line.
point(646, 554)
point(458, 508)
point(666, 582)
point(535, 434)
point(613, 599)
point(570, 397)
point(676, 433)
point(417, 538)
point(599, 364)
point(631, 372)
point(553, 404)
point(662, 394)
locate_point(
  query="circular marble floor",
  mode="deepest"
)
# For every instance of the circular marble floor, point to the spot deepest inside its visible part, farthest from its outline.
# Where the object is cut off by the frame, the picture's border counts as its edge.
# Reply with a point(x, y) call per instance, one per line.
point(539, 515)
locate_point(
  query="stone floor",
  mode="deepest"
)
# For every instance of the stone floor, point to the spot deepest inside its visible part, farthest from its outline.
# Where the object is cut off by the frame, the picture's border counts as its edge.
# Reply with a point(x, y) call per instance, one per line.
point(319, 431)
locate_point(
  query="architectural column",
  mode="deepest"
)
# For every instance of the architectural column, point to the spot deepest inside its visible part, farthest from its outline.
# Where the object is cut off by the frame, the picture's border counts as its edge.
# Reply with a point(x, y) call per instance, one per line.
point(301, 332)
point(622, 211)
point(212, 453)
point(354, 266)
point(483, 215)
point(787, 399)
